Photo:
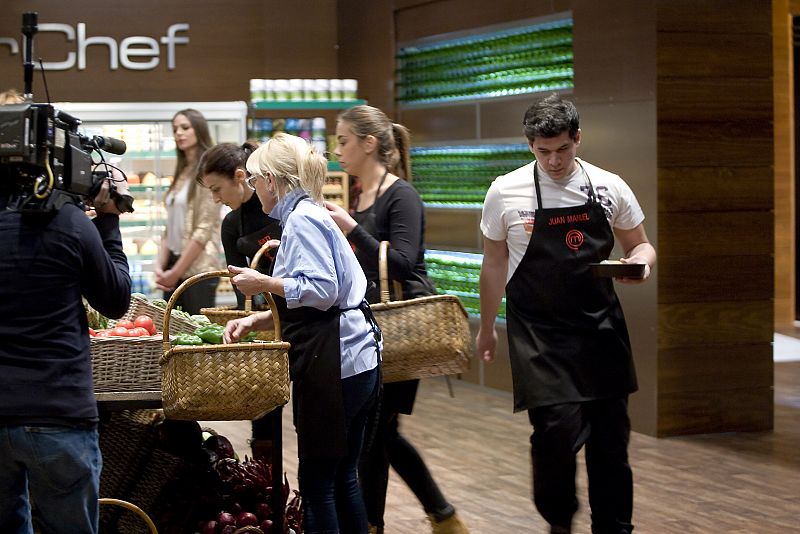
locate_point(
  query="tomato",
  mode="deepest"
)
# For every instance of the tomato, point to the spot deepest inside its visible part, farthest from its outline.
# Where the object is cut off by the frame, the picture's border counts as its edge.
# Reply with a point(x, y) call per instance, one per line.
point(146, 322)
point(119, 331)
point(124, 323)
point(92, 333)
point(102, 333)
point(140, 331)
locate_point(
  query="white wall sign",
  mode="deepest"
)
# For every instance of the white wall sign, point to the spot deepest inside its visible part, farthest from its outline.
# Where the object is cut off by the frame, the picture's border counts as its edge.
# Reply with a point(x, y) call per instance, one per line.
point(133, 53)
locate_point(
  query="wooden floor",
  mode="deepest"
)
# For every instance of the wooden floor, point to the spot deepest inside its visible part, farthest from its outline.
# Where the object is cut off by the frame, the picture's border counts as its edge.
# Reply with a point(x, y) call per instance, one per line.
point(479, 454)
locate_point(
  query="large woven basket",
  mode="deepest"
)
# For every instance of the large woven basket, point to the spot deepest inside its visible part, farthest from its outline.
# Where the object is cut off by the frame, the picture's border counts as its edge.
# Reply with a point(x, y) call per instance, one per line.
point(126, 364)
point(422, 337)
point(223, 382)
point(142, 306)
point(223, 314)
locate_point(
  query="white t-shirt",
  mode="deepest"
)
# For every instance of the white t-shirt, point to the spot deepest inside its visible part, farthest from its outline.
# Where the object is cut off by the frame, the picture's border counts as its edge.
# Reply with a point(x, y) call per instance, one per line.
point(510, 204)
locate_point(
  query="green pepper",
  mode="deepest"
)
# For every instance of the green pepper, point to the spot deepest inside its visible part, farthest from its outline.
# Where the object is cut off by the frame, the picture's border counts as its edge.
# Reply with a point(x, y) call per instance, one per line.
point(210, 333)
point(249, 337)
point(188, 339)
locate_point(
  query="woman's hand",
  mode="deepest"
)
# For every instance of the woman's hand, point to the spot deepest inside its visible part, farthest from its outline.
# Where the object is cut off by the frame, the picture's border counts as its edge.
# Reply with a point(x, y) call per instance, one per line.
point(237, 329)
point(249, 281)
point(167, 280)
point(340, 216)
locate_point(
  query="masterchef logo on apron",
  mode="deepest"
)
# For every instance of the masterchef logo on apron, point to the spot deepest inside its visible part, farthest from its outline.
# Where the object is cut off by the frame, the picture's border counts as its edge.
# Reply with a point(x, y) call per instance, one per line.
point(574, 239)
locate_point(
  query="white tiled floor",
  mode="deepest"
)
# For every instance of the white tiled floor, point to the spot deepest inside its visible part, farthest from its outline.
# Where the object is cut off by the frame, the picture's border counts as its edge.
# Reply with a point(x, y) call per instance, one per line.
point(785, 348)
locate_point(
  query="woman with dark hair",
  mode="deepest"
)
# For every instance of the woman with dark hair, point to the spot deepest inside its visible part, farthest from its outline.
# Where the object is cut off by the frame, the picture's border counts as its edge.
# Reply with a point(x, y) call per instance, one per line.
point(372, 148)
point(223, 171)
point(189, 242)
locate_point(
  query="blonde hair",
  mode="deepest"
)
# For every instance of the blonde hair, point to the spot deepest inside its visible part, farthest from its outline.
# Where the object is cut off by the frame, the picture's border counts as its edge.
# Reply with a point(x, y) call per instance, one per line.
point(293, 162)
point(394, 140)
point(12, 96)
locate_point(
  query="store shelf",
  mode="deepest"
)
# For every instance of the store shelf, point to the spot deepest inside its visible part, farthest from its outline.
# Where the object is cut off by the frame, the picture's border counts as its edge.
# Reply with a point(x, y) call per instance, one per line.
point(307, 104)
point(458, 273)
point(497, 62)
point(458, 176)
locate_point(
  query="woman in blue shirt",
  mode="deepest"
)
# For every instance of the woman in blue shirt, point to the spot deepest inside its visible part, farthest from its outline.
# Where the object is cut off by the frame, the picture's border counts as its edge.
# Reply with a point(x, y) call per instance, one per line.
point(319, 289)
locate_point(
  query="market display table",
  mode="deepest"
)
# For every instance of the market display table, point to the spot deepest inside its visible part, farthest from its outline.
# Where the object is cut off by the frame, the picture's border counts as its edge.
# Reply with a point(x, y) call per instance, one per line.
point(145, 400)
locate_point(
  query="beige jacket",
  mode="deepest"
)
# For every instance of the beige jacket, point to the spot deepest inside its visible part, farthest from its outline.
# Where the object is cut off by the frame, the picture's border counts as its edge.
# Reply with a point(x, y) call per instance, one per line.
point(202, 223)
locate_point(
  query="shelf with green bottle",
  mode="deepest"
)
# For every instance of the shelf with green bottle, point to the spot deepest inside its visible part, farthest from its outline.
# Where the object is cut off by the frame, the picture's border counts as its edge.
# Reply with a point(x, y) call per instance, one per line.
point(494, 64)
point(458, 273)
point(306, 104)
point(457, 176)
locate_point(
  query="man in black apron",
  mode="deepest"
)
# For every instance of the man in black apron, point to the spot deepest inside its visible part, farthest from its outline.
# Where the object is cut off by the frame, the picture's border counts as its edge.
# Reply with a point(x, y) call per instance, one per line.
point(571, 359)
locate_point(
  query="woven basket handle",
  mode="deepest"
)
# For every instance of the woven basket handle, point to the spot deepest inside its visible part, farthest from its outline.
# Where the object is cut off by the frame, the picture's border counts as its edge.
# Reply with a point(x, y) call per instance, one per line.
point(205, 276)
point(135, 509)
point(248, 301)
point(383, 274)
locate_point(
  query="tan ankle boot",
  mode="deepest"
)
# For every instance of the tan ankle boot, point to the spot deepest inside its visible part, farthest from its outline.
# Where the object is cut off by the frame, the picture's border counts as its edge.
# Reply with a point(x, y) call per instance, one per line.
point(451, 525)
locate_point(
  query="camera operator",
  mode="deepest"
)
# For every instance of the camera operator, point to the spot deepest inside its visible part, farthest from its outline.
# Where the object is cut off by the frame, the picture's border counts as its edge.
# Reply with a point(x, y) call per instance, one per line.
point(49, 454)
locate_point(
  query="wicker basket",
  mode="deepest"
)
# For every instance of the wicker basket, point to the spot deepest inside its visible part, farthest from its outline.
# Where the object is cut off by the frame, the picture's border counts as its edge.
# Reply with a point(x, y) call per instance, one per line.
point(142, 306)
point(223, 382)
point(223, 314)
point(422, 337)
point(133, 508)
point(126, 364)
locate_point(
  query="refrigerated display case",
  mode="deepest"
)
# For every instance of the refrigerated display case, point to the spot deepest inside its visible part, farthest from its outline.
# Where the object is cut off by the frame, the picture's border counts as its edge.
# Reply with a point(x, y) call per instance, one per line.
point(149, 162)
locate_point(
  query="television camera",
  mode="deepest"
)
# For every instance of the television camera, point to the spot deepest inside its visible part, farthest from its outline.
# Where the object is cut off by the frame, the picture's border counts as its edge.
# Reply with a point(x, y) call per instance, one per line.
point(44, 161)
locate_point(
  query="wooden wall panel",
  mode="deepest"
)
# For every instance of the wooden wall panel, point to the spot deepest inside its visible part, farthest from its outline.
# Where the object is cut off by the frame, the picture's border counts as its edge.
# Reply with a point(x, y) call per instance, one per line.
point(705, 412)
point(687, 100)
point(456, 122)
point(258, 39)
point(614, 67)
point(701, 278)
point(712, 16)
point(714, 189)
point(453, 229)
point(709, 55)
point(785, 209)
point(366, 49)
point(697, 324)
point(715, 368)
point(716, 234)
point(733, 143)
point(715, 126)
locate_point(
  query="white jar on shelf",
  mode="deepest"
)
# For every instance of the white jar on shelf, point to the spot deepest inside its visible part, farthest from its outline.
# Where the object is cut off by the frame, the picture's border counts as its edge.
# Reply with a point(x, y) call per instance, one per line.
point(349, 89)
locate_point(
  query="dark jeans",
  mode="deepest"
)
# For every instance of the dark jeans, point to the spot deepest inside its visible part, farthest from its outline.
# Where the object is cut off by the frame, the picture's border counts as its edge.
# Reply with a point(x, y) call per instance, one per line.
point(332, 500)
point(58, 468)
point(387, 448)
point(559, 432)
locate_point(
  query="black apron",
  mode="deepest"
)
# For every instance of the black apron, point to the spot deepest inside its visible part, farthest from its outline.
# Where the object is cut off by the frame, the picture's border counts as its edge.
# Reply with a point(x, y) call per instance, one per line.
point(315, 367)
point(567, 336)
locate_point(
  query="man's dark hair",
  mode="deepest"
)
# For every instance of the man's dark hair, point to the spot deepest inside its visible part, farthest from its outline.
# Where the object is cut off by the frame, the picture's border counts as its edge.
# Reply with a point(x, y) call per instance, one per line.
point(550, 117)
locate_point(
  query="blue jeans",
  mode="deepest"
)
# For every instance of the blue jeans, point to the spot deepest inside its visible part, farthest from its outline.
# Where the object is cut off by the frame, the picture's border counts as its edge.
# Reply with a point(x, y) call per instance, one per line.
point(56, 467)
point(331, 494)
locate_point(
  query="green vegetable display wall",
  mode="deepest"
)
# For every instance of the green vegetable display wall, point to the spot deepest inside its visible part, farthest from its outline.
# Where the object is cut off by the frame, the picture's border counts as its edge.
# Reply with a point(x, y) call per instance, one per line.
point(509, 62)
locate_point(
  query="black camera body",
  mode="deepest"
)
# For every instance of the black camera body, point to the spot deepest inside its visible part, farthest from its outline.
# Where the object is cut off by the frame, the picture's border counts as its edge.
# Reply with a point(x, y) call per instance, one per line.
point(44, 161)
point(41, 154)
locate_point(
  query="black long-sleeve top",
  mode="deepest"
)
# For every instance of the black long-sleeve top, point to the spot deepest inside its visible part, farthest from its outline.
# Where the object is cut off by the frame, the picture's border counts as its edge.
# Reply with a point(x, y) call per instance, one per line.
point(47, 261)
point(243, 232)
point(399, 219)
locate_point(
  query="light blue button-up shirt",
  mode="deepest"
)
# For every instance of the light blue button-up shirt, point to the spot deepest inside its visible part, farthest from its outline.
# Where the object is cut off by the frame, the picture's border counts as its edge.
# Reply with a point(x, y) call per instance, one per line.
point(320, 270)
